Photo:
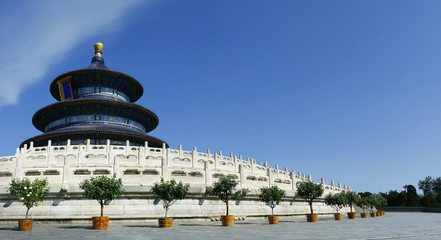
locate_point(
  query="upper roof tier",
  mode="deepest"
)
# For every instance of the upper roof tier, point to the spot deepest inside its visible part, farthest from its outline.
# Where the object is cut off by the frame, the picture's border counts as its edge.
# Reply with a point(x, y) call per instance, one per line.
point(96, 81)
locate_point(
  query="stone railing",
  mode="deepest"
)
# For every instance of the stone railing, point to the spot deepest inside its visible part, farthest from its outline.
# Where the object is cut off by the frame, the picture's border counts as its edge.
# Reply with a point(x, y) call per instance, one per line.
point(66, 166)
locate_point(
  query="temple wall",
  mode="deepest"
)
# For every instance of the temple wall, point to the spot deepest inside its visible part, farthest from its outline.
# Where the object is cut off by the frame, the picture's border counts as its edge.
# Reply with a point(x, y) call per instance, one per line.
point(139, 206)
point(139, 167)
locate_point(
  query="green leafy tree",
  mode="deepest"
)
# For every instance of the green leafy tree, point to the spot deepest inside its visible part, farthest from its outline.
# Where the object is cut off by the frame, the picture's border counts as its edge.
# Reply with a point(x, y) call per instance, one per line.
point(431, 188)
point(351, 198)
point(364, 194)
point(381, 202)
point(271, 196)
point(336, 201)
point(412, 198)
point(428, 200)
point(169, 192)
point(225, 189)
point(309, 191)
point(31, 194)
point(395, 198)
point(102, 189)
point(372, 201)
point(436, 186)
point(363, 203)
point(425, 185)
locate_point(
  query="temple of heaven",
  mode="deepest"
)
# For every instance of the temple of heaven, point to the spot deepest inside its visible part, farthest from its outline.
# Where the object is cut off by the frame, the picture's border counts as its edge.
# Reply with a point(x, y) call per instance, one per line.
point(95, 104)
point(95, 129)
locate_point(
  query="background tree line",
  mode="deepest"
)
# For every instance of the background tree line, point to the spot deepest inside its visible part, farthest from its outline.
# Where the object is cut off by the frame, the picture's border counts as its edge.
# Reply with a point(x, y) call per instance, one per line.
point(431, 196)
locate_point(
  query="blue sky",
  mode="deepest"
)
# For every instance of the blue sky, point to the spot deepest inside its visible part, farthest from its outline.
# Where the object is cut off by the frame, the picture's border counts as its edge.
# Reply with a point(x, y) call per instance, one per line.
point(345, 90)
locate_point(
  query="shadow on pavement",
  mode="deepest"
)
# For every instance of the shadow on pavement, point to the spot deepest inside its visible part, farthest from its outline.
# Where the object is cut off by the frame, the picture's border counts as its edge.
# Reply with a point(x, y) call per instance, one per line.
point(76, 227)
point(141, 226)
point(248, 223)
point(198, 225)
point(9, 228)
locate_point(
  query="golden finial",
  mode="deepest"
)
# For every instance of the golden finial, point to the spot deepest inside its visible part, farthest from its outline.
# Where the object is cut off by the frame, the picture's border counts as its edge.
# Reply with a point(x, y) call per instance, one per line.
point(98, 49)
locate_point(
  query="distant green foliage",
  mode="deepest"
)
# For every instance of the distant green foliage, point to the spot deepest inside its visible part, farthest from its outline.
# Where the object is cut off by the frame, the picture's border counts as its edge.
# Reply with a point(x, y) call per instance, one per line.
point(431, 188)
point(271, 196)
point(309, 191)
point(29, 193)
point(226, 190)
point(336, 201)
point(169, 192)
point(102, 189)
point(351, 198)
point(431, 197)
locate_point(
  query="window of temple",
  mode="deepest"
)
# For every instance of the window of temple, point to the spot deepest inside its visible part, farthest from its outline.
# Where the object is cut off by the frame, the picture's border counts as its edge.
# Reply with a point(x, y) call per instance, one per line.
point(132, 172)
point(51, 172)
point(178, 173)
point(32, 173)
point(150, 172)
point(5, 174)
point(81, 172)
point(101, 172)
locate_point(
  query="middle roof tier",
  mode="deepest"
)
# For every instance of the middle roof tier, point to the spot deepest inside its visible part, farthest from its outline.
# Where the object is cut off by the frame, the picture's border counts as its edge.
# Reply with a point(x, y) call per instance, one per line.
point(59, 115)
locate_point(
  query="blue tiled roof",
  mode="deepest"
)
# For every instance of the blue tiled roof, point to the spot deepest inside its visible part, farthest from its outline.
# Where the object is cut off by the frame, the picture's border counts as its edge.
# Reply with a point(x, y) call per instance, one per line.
point(97, 63)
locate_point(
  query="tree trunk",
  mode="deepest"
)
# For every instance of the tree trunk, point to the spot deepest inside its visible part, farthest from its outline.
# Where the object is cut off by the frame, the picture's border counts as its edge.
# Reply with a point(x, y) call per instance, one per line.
point(351, 207)
point(227, 205)
point(166, 210)
point(272, 211)
point(310, 207)
point(27, 211)
point(102, 208)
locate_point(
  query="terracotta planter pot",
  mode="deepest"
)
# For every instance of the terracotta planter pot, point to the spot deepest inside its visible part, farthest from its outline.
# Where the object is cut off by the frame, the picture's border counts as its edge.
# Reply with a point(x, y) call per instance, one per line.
point(273, 219)
point(25, 224)
point(363, 215)
point(352, 215)
point(165, 222)
point(100, 223)
point(378, 214)
point(227, 220)
point(311, 217)
point(338, 216)
point(383, 212)
point(373, 214)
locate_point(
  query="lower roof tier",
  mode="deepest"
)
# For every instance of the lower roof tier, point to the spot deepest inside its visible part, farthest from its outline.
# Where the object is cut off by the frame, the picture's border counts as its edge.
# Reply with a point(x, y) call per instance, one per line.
point(97, 136)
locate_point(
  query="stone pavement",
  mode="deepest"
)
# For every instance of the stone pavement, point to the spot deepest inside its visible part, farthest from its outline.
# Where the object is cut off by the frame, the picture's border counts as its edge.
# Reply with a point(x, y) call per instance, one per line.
point(391, 226)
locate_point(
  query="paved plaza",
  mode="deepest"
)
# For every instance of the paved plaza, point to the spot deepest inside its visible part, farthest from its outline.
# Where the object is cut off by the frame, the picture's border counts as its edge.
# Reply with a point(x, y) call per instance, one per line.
point(391, 226)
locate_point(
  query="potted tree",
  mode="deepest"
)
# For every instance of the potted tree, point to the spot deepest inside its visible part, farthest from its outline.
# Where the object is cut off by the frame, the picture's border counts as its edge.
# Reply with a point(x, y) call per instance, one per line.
point(272, 197)
point(363, 204)
point(225, 189)
point(372, 201)
point(169, 192)
point(30, 194)
point(103, 189)
point(352, 199)
point(310, 191)
point(336, 201)
point(382, 204)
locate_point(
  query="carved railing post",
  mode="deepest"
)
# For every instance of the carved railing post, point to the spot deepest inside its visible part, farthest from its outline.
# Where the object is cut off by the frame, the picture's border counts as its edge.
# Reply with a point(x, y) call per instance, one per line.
point(208, 176)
